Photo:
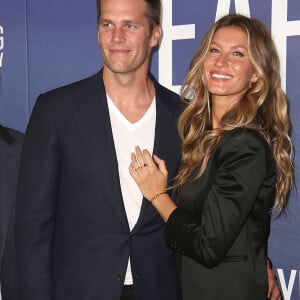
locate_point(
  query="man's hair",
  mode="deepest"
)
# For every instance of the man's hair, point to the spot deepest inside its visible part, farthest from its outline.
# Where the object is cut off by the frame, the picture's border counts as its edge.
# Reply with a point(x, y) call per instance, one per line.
point(153, 12)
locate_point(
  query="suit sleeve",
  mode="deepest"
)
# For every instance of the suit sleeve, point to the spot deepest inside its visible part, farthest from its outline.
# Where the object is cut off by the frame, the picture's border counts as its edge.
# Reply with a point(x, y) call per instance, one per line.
point(240, 174)
point(36, 203)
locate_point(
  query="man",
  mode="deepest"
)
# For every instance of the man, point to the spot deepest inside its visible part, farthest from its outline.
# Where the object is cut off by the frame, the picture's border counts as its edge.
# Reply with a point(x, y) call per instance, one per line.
point(84, 232)
point(10, 150)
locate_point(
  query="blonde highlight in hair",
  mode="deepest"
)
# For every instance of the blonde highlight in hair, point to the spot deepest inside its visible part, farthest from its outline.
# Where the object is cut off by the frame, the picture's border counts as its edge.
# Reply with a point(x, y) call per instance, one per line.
point(264, 108)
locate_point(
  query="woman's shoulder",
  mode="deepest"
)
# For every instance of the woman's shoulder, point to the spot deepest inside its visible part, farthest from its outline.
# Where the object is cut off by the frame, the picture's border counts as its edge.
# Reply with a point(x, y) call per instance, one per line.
point(244, 146)
point(242, 136)
point(240, 141)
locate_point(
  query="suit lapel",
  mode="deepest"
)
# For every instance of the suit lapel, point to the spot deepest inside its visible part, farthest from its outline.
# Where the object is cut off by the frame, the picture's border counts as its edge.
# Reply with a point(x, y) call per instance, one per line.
point(163, 144)
point(95, 128)
point(164, 128)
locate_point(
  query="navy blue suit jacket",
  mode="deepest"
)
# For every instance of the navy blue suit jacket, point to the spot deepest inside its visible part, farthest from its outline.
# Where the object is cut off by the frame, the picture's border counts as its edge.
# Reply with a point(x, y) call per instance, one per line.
point(10, 151)
point(73, 238)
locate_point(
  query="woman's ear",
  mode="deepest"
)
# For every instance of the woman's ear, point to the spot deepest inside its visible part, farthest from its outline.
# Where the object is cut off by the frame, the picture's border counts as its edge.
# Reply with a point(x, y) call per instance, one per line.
point(254, 78)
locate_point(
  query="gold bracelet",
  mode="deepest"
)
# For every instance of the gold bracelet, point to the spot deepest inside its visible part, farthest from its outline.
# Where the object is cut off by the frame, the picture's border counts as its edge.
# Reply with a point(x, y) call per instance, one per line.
point(157, 195)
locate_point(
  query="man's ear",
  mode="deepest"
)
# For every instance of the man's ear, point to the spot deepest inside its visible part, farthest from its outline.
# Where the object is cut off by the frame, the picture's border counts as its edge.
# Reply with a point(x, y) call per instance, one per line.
point(155, 37)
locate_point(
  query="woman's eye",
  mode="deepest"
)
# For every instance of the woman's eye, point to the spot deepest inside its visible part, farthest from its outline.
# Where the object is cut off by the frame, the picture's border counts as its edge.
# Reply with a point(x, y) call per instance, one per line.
point(213, 50)
point(238, 53)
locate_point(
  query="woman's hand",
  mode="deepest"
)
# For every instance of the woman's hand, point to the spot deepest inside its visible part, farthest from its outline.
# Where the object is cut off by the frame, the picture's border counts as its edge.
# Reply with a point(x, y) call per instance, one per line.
point(149, 174)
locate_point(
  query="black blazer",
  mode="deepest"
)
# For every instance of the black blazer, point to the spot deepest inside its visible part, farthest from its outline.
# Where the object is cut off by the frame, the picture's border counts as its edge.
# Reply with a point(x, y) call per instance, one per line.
point(73, 237)
point(222, 221)
point(10, 150)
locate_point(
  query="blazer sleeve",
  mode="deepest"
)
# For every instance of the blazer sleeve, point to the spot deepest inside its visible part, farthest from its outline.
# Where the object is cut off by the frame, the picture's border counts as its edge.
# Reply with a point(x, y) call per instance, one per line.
point(35, 206)
point(242, 167)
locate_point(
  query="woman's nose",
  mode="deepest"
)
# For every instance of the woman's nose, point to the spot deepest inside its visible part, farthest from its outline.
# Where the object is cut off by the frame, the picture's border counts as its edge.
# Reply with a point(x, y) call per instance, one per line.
point(222, 60)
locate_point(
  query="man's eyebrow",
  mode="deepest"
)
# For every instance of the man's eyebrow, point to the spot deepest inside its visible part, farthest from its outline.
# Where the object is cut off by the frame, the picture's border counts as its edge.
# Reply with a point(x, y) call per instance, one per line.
point(124, 21)
point(104, 20)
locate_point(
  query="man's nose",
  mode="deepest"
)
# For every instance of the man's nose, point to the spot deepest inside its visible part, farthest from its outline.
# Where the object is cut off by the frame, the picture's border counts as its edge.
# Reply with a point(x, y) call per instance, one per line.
point(118, 35)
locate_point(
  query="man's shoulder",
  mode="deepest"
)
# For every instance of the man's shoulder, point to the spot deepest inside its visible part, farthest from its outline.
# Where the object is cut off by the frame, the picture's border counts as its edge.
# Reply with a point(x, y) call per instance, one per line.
point(75, 87)
point(168, 97)
point(160, 89)
point(10, 135)
point(76, 92)
point(168, 93)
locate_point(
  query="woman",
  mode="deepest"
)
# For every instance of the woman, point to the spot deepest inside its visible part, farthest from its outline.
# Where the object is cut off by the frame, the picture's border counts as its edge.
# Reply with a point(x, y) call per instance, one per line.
point(236, 164)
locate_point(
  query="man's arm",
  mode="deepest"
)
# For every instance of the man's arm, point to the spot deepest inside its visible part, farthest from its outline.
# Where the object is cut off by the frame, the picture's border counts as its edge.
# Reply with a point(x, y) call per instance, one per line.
point(35, 207)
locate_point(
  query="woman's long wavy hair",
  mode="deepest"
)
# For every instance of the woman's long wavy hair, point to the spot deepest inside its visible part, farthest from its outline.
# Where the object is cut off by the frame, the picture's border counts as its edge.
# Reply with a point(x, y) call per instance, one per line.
point(263, 108)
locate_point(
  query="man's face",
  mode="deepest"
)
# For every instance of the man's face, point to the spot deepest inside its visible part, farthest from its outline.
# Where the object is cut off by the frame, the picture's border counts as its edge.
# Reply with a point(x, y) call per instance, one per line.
point(124, 35)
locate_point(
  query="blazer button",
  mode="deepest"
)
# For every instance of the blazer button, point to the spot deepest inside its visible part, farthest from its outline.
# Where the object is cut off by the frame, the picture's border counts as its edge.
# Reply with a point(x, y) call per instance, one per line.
point(120, 276)
point(132, 237)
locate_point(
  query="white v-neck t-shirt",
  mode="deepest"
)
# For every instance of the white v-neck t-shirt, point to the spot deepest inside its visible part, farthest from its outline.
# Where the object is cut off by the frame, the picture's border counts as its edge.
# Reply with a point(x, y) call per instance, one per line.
point(126, 136)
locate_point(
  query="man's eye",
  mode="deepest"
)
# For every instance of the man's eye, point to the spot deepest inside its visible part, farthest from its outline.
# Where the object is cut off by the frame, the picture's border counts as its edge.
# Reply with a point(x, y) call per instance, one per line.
point(106, 25)
point(131, 26)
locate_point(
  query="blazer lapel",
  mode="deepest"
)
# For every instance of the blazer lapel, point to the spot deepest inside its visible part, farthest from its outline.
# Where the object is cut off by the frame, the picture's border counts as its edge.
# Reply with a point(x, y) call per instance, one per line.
point(163, 145)
point(95, 128)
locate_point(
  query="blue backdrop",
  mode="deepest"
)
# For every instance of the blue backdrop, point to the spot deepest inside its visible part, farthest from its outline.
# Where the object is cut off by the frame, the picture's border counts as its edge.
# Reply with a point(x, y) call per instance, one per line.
point(45, 44)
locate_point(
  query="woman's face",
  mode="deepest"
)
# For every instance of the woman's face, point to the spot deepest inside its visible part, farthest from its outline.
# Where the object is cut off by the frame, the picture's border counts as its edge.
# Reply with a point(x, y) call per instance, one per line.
point(227, 67)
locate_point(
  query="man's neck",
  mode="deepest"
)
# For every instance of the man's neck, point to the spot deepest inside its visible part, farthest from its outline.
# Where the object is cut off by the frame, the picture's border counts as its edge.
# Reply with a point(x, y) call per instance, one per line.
point(131, 94)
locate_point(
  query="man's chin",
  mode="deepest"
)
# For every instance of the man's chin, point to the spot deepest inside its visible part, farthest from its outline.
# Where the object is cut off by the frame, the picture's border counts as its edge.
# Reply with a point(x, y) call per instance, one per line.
point(119, 69)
